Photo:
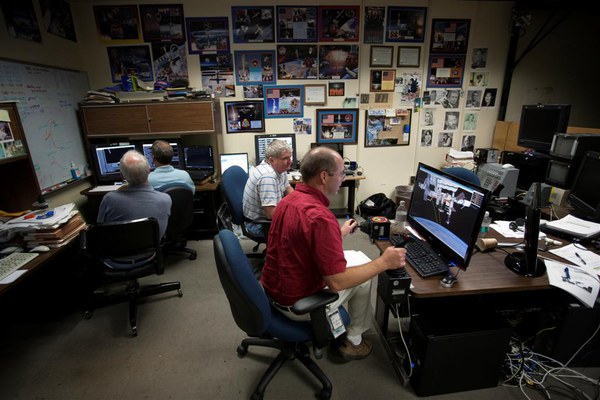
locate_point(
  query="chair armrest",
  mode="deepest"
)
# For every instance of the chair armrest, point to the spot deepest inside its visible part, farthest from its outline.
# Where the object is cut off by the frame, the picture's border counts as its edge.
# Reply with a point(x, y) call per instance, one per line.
point(314, 302)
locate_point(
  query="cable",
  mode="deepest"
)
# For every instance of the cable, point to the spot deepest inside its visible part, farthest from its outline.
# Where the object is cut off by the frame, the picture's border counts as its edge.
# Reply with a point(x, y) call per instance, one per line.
point(403, 341)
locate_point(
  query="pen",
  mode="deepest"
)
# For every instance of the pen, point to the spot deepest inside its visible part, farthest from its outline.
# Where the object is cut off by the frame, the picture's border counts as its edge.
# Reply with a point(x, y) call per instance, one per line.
point(567, 275)
point(582, 260)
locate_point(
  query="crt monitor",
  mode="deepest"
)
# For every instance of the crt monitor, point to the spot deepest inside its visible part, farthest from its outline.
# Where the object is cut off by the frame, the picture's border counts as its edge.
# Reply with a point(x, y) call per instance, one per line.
point(147, 150)
point(198, 158)
point(585, 196)
point(231, 159)
point(447, 212)
point(107, 159)
point(540, 122)
point(262, 141)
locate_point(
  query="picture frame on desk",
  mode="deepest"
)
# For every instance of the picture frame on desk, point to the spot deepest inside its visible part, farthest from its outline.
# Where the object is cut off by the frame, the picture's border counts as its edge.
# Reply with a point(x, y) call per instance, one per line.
point(337, 125)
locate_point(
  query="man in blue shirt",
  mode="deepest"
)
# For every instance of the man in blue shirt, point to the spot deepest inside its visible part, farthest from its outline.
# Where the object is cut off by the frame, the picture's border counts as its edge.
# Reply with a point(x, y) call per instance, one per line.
point(165, 173)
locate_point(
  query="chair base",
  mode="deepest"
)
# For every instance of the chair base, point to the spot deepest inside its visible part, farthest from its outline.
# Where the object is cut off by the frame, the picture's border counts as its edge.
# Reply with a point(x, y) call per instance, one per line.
point(288, 351)
point(179, 248)
point(132, 294)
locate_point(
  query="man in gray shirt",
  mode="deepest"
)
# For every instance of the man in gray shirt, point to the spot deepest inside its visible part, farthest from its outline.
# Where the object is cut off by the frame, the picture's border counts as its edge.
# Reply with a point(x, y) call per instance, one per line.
point(137, 199)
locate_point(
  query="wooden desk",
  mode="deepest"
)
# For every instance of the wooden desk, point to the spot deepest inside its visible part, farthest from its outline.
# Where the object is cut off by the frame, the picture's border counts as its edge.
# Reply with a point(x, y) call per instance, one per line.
point(350, 182)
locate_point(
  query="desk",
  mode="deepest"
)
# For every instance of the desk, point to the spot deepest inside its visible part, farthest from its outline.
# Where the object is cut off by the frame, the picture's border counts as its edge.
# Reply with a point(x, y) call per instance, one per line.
point(350, 182)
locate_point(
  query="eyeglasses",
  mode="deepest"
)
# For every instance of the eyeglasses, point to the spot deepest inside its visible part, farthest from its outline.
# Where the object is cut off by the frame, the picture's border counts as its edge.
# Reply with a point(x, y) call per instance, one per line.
point(341, 175)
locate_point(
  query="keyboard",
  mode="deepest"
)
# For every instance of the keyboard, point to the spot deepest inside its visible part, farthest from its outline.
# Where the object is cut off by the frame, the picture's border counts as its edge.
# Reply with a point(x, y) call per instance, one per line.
point(198, 175)
point(421, 256)
point(13, 262)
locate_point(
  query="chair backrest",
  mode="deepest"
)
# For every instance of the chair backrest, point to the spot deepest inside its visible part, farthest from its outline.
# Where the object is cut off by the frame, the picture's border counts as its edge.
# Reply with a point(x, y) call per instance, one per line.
point(123, 239)
point(248, 302)
point(233, 183)
point(465, 174)
point(182, 209)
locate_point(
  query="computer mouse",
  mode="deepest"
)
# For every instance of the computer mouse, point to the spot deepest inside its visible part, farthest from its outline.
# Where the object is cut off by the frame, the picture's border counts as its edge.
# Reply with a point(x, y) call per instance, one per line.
point(11, 249)
point(448, 281)
point(505, 166)
point(40, 249)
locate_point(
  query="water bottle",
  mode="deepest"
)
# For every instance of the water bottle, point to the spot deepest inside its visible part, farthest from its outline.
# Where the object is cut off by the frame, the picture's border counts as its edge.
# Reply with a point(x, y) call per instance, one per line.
point(485, 225)
point(74, 171)
point(399, 226)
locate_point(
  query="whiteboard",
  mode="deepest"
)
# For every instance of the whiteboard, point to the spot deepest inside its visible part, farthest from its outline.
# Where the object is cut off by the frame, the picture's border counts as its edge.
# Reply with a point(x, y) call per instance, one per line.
point(47, 99)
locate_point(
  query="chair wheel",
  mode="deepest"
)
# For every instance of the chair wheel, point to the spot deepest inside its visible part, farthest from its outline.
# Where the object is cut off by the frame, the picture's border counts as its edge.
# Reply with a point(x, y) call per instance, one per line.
point(179, 292)
point(242, 351)
point(134, 331)
point(87, 314)
point(256, 396)
point(324, 394)
point(193, 256)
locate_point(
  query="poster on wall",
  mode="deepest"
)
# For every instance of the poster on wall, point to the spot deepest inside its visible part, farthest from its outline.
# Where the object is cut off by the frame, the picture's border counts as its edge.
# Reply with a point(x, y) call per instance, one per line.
point(297, 61)
point(217, 74)
point(209, 34)
point(446, 70)
point(338, 61)
point(20, 19)
point(405, 24)
point(296, 24)
point(58, 19)
point(128, 60)
point(170, 61)
point(254, 67)
point(374, 27)
point(252, 24)
point(118, 24)
point(284, 101)
point(449, 36)
point(339, 23)
point(162, 23)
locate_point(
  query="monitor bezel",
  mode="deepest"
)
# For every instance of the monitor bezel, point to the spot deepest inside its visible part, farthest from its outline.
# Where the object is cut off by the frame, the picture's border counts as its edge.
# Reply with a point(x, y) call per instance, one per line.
point(524, 140)
point(258, 103)
point(247, 169)
point(110, 177)
point(438, 245)
point(581, 208)
point(183, 158)
point(257, 159)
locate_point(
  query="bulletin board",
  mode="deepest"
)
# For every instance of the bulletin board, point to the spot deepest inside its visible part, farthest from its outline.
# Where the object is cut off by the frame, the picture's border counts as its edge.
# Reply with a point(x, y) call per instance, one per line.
point(47, 99)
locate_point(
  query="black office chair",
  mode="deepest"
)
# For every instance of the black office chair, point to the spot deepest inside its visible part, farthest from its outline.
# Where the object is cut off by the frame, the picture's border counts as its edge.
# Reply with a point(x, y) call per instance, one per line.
point(124, 252)
point(266, 326)
point(233, 183)
point(181, 218)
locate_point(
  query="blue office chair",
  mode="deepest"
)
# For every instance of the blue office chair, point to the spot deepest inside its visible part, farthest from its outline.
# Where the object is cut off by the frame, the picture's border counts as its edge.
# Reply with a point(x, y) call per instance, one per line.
point(465, 174)
point(266, 326)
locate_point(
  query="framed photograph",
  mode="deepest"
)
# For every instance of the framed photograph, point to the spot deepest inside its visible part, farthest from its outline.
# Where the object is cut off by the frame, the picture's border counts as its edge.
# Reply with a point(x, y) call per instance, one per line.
point(129, 60)
point(339, 23)
point(162, 22)
point(252, 24)
point(284, 101)
point(446, 70)
point(296, 24)
point(315, 95)
point(406, 24)
point(338, 61)
point(207, 35)
point(244, 116)
point(381, 56)
point(449, 36)
point(118, 24)
point(254, 67)
point(374, 26)
point(297, 61)
point(337, 89)
point(409, 56)
point(382, 80)
point(382, 130)
point(5, 131)
point(337, 125)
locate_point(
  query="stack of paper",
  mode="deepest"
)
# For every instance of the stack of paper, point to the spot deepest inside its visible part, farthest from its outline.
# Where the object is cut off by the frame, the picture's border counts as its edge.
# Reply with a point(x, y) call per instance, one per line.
point(56, 235)
point(30, 222)
point(579, 282)
point(574, 226)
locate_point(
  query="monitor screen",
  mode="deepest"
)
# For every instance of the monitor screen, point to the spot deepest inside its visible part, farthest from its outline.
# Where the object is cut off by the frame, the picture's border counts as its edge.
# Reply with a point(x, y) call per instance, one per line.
point(198, 158)
point(339, 147)
point(447, 212)
point(107, 159)
point(147, 150)
point(244, 116)
point(585, 196)
point(262, 141)
point(229, 160)
point(540, 122)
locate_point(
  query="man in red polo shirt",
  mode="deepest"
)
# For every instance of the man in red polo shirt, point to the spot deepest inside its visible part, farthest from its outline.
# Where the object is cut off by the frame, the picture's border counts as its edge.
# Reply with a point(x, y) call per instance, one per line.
point(305, 254)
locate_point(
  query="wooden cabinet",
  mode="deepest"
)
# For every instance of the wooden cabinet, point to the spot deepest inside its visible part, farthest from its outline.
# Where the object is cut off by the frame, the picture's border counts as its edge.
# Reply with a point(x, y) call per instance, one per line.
point(164, 118)
point(20, 187)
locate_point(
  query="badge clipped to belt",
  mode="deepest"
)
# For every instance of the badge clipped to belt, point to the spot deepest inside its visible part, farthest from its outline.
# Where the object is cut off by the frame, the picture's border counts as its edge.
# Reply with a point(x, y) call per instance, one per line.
point(335, 322)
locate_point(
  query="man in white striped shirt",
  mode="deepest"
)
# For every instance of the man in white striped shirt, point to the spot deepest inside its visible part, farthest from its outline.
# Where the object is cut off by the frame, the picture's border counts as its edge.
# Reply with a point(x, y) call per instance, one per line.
point(267, 184)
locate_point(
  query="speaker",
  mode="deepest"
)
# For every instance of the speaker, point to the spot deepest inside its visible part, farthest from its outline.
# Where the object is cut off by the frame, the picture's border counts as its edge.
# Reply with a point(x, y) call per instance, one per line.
point(453, 353)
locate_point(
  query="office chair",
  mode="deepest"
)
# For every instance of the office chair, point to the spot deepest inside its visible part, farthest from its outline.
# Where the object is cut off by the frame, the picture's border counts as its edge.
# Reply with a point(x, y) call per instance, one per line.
point(465, 174)
point(266, 326)
point(181, 218)
point(125, 251)
point(233, 183)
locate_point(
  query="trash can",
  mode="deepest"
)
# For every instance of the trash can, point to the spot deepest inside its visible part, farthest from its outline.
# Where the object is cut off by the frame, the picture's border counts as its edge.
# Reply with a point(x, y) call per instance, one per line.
point(404, 192)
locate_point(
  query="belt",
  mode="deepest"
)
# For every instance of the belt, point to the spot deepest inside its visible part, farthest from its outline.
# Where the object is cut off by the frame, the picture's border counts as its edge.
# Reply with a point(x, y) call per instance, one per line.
point(284, 308)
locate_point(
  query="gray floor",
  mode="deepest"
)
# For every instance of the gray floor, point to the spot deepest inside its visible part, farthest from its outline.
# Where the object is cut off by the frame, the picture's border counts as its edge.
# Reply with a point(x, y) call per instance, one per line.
point(185, 350)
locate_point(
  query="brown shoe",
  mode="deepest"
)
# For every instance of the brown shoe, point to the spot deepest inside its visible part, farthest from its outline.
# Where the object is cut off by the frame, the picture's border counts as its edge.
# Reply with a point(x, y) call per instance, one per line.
point(349, 352)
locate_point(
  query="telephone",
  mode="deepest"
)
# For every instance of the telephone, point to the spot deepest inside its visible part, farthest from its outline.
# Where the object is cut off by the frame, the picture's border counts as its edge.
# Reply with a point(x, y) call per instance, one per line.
point(492, 175)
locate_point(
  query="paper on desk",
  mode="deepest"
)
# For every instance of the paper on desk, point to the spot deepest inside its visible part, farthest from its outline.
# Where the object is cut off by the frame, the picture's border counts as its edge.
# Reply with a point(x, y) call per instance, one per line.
point(591, 260)
point(104, 188)
point(575, 226)
point(355, 257)
point(13, 277)
point(502, 227)
point(574, 280)
point(21, 225)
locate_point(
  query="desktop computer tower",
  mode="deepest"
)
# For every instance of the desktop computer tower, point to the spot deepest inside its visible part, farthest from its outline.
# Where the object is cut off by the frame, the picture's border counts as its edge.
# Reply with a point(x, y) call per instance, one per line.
point(453, 353)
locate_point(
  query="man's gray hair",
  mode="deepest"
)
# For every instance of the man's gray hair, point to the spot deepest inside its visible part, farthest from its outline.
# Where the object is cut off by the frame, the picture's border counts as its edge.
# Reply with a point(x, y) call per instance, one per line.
point(276, 148)
point(134, 167)
point(316, 160)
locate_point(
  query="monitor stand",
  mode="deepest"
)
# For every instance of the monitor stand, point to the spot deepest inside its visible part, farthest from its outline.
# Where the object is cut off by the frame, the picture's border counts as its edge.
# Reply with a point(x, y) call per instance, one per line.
point(517, 262)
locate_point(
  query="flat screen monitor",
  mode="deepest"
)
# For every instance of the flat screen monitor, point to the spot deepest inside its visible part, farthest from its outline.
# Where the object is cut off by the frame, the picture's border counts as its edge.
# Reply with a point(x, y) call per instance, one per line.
point(540, 122)
point(262, 141)
point(147, 150)
point(245, 116)
point(447, 212)
point(585, 196)
point(231, 159)
point(107, 160)
point(339, 147)
point(199, 158)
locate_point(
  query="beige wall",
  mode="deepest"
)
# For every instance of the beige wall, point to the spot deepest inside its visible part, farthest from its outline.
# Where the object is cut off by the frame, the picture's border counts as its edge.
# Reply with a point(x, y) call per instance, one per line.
point(385, 168)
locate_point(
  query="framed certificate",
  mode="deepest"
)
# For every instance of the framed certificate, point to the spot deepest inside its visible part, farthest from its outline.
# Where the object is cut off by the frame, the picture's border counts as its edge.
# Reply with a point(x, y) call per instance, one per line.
point(409, 56)
point(315, 95)
point(381, 56)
